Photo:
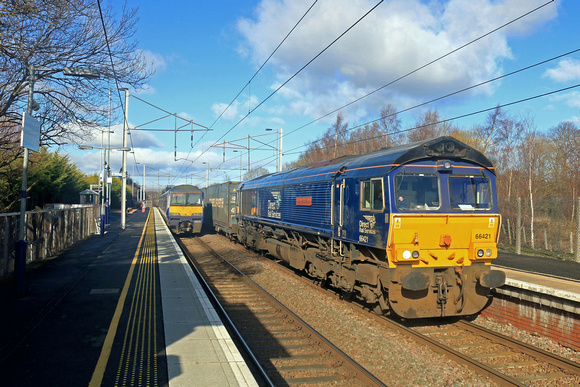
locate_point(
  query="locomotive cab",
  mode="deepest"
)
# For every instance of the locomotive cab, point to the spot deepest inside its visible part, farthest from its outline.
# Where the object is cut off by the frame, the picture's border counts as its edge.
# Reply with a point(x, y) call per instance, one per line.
point(443, 235)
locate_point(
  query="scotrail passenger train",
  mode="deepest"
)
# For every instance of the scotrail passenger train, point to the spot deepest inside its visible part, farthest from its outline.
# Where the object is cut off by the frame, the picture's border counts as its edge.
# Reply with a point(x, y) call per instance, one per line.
point(410, 230)
point(182, 208)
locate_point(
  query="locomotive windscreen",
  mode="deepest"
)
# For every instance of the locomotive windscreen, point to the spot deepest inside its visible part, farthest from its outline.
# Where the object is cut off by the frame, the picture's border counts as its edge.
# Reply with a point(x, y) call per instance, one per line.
point(186, 199)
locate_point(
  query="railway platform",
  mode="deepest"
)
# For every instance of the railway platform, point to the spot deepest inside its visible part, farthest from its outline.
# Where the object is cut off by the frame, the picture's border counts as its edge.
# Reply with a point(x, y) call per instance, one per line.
point(549, 282)
point(121, 309)
point(125, 309)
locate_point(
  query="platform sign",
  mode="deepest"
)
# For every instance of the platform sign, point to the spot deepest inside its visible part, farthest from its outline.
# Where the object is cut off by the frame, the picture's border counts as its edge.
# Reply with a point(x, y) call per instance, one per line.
point(30, 135)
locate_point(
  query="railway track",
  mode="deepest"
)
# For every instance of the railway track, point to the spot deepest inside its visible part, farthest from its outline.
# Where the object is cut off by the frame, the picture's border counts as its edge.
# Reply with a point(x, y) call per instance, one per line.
point(288, 350)
point(501, 358)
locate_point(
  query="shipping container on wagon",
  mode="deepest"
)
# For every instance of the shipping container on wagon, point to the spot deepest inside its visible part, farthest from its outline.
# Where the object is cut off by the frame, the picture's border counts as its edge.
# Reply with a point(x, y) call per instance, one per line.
point(221, 206)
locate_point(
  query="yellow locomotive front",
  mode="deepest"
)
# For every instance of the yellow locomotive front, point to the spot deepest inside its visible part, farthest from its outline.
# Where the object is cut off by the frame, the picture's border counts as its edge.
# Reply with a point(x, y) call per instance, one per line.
point(442, 240)
point(440, 263)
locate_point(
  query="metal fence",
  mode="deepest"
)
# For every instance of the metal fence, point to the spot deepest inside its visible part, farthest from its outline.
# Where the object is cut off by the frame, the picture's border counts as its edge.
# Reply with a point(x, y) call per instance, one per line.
point(47, 231)
point(551, 225)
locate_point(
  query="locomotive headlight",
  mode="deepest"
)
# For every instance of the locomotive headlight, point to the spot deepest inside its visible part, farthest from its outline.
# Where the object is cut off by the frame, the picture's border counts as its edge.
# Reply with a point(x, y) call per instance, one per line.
point(415, 254)
point(488, 253)
point(445, 166)
point(406, 254)
point(480, 253)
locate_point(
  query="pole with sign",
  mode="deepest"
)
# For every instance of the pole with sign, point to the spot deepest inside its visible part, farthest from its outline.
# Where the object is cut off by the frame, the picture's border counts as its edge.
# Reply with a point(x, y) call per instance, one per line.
point(29, 139)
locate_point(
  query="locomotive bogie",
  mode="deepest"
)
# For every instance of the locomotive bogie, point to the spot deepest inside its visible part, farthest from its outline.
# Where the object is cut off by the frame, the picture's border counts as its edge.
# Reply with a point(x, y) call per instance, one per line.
point(452, 291)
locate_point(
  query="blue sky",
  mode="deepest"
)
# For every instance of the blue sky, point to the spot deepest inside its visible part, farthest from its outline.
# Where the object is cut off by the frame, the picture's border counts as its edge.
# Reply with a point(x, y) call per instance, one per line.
point(205, 52)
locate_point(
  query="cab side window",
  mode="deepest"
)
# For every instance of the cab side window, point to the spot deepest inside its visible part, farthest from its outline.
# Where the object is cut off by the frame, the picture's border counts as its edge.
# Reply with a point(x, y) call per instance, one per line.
point(372, 197)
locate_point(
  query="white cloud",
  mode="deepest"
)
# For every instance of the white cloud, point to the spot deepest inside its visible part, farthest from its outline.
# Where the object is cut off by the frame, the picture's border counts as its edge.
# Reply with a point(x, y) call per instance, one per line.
point(220, 109)
point(135, 140)
point(154, 62)
point(236, 110)
point(567, 70)
point(146, 89)
point(571, 99)
point(396, 38)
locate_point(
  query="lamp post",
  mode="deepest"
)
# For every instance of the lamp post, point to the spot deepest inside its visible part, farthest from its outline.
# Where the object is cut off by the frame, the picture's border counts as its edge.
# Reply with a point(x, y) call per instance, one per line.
point(143, 189)
point(133, 178)
point(240, 152)
point(103, 181)
point(124, 170)
point(279, 149)
point(90, 147)
point(206, 175)
point(21, 243)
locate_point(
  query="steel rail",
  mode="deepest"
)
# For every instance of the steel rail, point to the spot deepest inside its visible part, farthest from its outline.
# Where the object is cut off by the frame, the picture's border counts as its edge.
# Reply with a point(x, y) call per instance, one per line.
point(230, 325)
point(362, 374)
point(537, 353)
point(474, 365)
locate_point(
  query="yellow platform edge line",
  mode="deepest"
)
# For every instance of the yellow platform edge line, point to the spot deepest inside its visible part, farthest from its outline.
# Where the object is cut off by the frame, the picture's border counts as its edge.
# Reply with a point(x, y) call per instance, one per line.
point(101, 366)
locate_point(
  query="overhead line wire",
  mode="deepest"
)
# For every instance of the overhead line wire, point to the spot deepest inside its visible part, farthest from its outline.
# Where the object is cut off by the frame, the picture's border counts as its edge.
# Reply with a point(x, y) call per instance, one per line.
point(248, 83)
point(263, 64)
point(293, 76)
point(460, 91)
point(404, 76)
point(429, 63)
point(460, 116)
point(165, 111)
point(110, 56)
point(423, 66)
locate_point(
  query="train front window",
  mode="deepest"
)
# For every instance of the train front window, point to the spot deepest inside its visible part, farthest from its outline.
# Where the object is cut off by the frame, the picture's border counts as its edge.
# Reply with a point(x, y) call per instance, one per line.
point(193, 199)
point(417, 191)
point(470, 192)
point(186, 199)
point(178, 199)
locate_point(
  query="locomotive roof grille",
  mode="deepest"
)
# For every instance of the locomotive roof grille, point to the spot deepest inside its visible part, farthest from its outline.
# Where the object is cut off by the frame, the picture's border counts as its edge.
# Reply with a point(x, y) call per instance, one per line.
point(443, 147)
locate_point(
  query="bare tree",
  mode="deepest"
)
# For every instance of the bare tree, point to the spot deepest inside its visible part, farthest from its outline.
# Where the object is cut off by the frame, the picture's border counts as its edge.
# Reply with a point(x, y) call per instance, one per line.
point(53, 34)
point(487, 133)
point(255, 172)
point(534, 158)
point(429, 125)
point(390, 125)
point(566, 160)
point(508, 138)
point(366, 139)
point(339, 131)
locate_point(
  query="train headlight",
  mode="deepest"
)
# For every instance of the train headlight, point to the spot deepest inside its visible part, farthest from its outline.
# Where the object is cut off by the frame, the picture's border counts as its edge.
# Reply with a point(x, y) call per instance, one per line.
point(445, 166)
point(415, 254)
point(406, 254)
point(174, 214)
point(488, 253)
point(480, 253)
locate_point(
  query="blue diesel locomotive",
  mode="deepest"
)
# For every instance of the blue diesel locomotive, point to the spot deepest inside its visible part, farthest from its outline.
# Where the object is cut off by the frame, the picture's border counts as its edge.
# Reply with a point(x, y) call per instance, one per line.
point(410, 230)
point(182, 208)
